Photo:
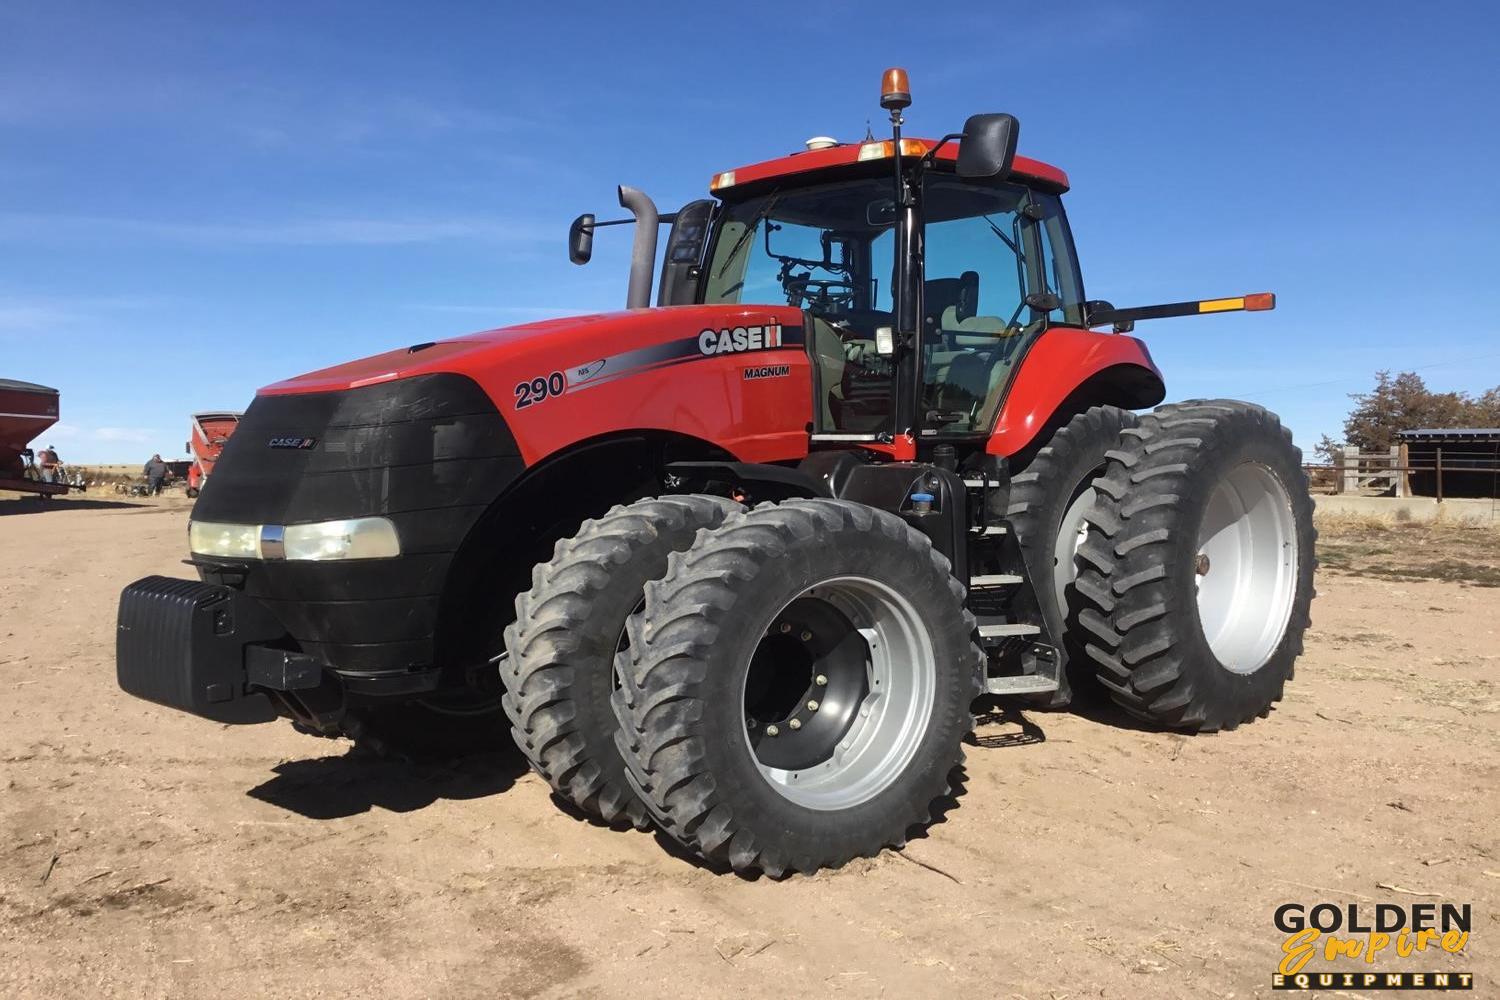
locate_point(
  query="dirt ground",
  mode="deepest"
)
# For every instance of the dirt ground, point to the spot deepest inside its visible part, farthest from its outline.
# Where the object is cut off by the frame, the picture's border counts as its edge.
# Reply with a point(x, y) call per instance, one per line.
point(145, 853)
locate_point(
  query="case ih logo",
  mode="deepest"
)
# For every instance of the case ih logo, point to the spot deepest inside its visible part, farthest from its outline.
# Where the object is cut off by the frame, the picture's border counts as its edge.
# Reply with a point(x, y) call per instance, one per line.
point(295, 443)
point(740, 338)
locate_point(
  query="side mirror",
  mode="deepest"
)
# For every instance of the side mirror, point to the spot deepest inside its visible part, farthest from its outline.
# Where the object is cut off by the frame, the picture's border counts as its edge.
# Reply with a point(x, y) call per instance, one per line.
point(1043, 301)
point(988, 147)
point(581, 239)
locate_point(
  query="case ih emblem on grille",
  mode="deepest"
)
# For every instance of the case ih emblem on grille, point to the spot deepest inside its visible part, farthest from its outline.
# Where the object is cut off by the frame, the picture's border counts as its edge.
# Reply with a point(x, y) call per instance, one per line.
point(740, 338)
point(295, 443)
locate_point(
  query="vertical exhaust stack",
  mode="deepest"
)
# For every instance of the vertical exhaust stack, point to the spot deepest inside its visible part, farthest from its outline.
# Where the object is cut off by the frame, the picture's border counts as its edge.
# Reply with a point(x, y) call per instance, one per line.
point(643, 252)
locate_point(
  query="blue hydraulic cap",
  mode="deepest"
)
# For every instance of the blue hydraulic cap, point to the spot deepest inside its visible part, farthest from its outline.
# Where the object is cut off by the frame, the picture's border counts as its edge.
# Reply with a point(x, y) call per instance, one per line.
point(922, 498)
point(921, 503)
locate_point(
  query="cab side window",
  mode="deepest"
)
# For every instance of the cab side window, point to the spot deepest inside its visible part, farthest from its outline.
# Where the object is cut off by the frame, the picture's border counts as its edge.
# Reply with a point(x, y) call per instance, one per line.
point(978, 250)
point(1059, 264)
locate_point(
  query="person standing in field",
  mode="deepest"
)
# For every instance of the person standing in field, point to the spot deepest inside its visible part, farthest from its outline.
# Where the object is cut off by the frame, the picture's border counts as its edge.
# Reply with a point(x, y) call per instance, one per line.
point(47, 462)
point(156, 471)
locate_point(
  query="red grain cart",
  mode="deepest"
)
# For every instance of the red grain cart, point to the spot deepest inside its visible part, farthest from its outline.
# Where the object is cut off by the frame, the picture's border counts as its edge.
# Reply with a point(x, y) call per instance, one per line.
point(210, 432)
point(26, 409)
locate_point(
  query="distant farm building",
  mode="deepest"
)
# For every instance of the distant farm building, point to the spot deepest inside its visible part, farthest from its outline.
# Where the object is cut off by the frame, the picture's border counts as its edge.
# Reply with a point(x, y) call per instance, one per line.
point(1453, 462)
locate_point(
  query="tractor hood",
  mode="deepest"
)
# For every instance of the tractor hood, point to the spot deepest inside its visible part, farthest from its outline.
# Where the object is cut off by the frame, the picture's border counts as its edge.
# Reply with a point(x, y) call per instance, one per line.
point(597, 347)
point(736, 377)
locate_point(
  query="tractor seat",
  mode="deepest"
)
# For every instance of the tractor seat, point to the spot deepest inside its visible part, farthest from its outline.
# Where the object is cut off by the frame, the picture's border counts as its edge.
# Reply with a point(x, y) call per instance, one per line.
point(983, 329)
point(942, 294)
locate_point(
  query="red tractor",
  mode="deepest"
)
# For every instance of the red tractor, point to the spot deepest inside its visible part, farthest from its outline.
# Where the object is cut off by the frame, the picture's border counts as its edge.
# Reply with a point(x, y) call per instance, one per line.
point(739, 564)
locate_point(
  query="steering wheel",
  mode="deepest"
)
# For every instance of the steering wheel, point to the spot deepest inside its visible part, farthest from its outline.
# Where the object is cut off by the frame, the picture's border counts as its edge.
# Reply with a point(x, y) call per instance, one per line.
point(822, 295)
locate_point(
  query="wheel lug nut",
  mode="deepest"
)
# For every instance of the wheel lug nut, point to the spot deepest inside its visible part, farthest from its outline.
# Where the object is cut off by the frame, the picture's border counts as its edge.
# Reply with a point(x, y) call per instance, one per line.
point(786, 627)
point(812, 706)
point(795, 724)
point(773, 731)
point(1201, 564)
point(806, 635)
point(820, 680)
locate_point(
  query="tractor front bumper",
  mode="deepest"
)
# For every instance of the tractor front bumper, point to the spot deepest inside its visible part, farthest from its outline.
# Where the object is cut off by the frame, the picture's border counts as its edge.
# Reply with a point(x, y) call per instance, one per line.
point(212, 651)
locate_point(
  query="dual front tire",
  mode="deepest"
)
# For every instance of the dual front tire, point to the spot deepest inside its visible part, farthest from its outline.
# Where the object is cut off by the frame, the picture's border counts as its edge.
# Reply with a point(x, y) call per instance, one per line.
point(798, 687)
point(790, 691)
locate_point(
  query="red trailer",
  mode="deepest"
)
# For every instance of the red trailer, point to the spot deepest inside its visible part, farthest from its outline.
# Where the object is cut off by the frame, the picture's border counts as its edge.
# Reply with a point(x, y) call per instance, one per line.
point(26, 409)
point(210, 431)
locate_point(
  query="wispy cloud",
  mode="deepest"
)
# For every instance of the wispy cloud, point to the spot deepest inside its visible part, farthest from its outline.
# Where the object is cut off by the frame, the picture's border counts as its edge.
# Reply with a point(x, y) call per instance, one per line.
point(277, 121)
point(514, 312)
point(312, 231)
point(21, 317)
point(31, 314)
point(76, 434)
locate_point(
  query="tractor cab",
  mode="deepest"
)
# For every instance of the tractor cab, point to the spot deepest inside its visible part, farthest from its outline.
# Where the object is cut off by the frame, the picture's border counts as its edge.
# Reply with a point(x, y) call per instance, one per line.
point(925, 271)
point(989, 266)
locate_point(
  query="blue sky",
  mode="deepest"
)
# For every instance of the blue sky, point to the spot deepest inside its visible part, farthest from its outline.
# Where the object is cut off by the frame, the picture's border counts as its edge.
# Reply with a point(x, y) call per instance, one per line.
point(198, 199)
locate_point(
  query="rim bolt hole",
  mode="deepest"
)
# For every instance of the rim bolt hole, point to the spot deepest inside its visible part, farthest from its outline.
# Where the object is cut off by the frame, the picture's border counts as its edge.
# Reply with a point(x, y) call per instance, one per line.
point(785, 627)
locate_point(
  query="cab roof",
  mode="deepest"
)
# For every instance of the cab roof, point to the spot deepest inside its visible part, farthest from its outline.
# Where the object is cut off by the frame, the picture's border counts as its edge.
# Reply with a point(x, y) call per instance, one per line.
point(853, 153)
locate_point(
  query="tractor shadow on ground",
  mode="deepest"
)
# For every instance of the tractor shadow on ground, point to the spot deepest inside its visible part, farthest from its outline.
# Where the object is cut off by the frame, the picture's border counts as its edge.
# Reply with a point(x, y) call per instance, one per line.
point(36, 505)
point(335, 787)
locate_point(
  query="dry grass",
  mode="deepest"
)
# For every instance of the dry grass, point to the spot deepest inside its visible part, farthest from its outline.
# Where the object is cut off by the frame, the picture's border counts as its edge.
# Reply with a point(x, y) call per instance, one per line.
point(1374, 545)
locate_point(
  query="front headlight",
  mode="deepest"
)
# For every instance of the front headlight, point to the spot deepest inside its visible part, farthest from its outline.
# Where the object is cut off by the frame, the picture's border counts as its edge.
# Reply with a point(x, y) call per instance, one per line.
point(232, 541)
point(360, 538)
point(355, 538)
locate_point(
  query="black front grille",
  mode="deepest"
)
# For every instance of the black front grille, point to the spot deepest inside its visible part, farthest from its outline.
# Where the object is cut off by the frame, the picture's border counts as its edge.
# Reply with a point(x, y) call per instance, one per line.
point(431, 453)
point(431, 442)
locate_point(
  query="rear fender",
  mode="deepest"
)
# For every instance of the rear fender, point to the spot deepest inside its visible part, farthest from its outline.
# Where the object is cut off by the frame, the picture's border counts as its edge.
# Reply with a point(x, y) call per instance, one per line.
point(1069, 370)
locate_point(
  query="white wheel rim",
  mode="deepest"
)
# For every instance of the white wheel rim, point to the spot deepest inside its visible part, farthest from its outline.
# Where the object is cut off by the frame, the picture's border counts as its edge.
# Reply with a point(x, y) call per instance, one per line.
point(1071, 534)
point(891, 721)
point(1246, 567)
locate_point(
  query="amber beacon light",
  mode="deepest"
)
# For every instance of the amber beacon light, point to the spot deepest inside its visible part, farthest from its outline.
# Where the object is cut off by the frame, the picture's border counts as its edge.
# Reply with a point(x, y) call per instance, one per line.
point(895, 90)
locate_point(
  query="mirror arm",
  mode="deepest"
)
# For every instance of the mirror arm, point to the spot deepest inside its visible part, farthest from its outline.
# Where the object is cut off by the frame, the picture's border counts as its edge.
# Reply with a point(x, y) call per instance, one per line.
point(931, 155)
point(609, 222)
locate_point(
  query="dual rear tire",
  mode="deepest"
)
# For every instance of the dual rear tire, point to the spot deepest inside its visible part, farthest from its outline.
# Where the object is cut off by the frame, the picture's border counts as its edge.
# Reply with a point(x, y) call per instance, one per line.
point(1196, 578)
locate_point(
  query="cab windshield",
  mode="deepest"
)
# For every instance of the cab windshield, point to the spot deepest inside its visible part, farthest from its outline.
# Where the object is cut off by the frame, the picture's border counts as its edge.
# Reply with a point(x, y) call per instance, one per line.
point(828, 250)
point(810, 247)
